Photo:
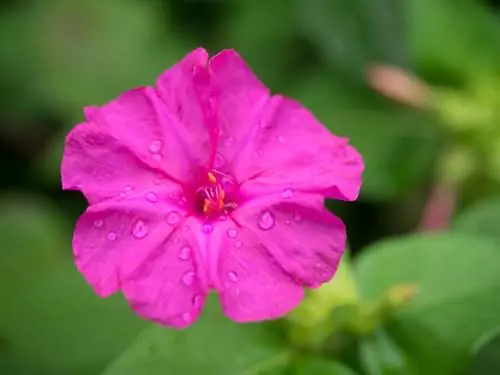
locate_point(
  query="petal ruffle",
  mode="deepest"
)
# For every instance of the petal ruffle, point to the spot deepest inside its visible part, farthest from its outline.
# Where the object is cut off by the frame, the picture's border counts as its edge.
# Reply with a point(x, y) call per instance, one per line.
point(274, 141)
point(304, 238)
point(251, 285)
point(113, 238)
point(170, 286)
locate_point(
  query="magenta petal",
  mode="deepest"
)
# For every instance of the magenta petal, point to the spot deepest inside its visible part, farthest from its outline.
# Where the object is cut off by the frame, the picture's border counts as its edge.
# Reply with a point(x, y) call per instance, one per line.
point(102, 167)
point(252, 286)
point(239, 97)
point(170, 286)
point(304, 238)
point(113, 238)
point(184, 90)
point(142, 123)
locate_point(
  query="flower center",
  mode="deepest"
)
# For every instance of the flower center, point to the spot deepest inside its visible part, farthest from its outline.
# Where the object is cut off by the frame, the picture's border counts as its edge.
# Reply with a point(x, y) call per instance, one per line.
point(216, 196)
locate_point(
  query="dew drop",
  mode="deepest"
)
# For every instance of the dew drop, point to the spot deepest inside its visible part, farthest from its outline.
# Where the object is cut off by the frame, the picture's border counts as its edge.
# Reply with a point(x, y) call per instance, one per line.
point(98, 223)
point(297, 216)
point(155, 146)
point(197, 301)
point(233, 276)
point(288, 222)
point(152, 197)
point(111, 236)
point(229, 141)
point(287, 193)
point(173, 218)
point(157, 157)
point(281, 139)
point(238, 244)
point(128, 189)
point(140, 229)
point(188, 278)
point(231, 233)
point(266, 220)
point(123, 195)
point(208, 228)
point(187, 317)
point(185, 253)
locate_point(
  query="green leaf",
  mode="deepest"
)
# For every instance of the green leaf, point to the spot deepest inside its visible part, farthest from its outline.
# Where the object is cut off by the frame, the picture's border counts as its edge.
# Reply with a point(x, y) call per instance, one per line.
point(88, 52)
point(321, 366)
point(480, 218)
point(452, 39)
point(380, 355)
point(458, 294)
point(486, 359)
point(398, 145)
point(350, 35)
point(213, 345)
point(50, 320)
point(271, 48)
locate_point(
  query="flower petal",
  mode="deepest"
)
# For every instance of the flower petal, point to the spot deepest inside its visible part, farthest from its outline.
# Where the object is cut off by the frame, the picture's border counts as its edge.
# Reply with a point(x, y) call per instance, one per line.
point(290, 148)
point(113, 238)
point(305, 239)
point(276, 138)
point(142, 122)
point(239, 96)
point(103, 167)
point(170, 286)
point(251, 285)
point(185, 91)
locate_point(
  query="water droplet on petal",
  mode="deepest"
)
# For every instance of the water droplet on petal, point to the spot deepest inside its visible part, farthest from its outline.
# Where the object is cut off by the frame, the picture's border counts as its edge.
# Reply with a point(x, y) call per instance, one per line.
point(186, 228)
point(123, 195)
point(232, 276)
point(185, 253)
point(173, 218)
point(155, 146)
point(127, 189)
point(229, 141)
point(140, 229)
point(297, 216)
point(281, 139)
point(151, 196)
point(197, 301)
point(188, 278)
point(98, 223)
point(288, 222)
point(266, 220)
point(208, 228)
point(219, 161)
point(187, 317)
point(111, 236)
point(287, 193)
point(157, 157)
point(231, 233)
point(238, 243)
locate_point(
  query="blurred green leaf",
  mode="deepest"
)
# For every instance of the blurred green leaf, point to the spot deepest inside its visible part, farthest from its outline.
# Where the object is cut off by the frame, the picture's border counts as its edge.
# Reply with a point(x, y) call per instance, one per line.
point(487, 355)
point(214, 345)
point(452, 40)
point(82, 53)
point(50, 321)
point(266, 38)
point(458, 294)
point(398, 145)
point(351, 35)
point(321, 366)
point(380, 355)
point(480, 218)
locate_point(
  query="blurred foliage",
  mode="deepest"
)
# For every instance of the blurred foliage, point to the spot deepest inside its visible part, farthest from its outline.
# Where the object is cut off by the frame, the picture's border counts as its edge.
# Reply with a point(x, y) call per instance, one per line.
point(411, 305)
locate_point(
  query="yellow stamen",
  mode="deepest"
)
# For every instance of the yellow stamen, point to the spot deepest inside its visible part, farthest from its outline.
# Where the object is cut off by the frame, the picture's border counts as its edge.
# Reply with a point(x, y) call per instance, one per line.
point(206, 205)
point(211, 178)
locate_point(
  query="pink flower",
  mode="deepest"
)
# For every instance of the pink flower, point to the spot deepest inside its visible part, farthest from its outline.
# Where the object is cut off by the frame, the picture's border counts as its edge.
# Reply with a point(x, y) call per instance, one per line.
point(207, 182)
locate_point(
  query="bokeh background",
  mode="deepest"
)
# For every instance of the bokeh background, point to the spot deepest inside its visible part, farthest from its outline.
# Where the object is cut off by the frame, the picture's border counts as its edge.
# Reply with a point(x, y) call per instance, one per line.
point(415, 85)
